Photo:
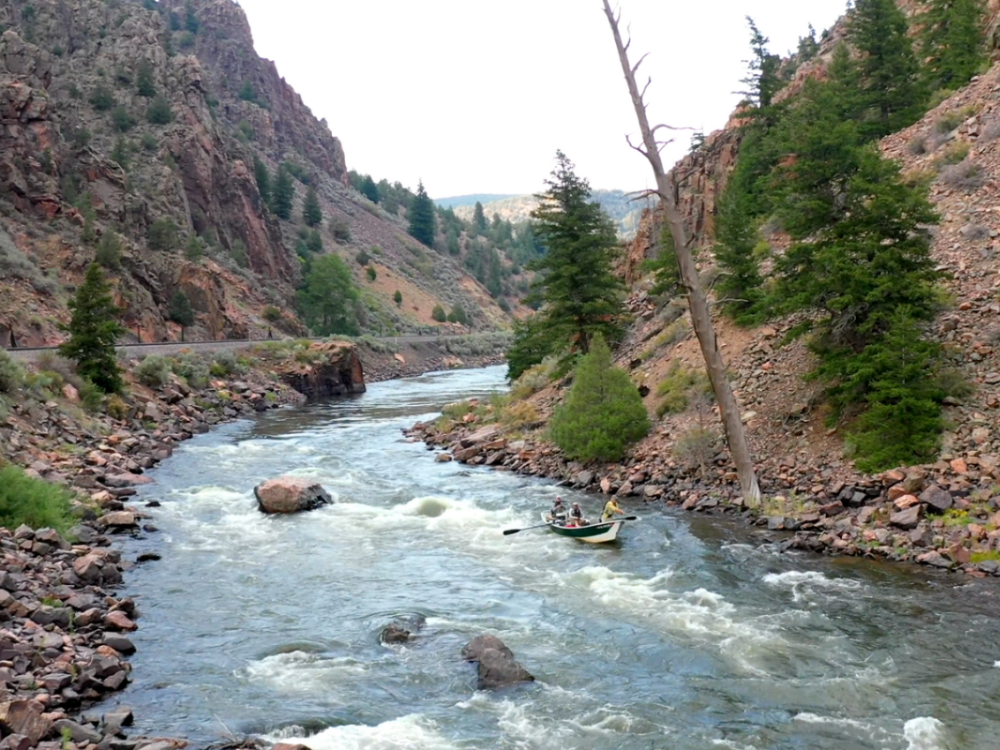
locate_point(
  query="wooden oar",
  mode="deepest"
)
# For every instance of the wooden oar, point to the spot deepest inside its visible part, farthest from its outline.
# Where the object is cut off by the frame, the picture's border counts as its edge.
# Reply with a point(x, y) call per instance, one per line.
point(507, 532)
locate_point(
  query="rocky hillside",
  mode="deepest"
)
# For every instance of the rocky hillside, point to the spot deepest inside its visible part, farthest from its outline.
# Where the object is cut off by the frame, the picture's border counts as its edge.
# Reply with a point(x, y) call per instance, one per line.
point(134, 127)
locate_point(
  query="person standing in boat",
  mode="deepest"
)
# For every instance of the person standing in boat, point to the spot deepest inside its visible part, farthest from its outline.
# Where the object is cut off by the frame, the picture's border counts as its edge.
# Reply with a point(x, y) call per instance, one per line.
point(610, 509)
point(576, 516)
point(558, 512)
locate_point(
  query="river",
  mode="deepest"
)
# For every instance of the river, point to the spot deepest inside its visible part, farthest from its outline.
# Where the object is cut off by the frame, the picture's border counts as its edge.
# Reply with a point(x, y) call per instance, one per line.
point(686, 635)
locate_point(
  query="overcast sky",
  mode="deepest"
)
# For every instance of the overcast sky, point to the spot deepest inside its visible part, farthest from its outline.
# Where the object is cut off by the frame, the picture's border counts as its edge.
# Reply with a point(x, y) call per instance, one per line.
point(476, 96)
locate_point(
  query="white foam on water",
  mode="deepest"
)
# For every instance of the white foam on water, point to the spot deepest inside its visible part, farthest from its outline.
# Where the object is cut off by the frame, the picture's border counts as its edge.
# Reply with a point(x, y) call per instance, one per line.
point(732, 745)
point(803, 582)
point(411, 732)
point(811, 718)
point(996, 664)
point(301, 672)
point(925, 733)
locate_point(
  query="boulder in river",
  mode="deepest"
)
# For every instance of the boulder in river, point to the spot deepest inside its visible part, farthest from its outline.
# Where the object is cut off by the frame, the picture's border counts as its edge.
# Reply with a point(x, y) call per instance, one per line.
point(496, 666)
point(290, 495)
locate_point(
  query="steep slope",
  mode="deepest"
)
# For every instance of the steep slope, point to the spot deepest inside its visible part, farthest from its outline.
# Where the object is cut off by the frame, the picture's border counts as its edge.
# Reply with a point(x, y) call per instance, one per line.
point(82, 156)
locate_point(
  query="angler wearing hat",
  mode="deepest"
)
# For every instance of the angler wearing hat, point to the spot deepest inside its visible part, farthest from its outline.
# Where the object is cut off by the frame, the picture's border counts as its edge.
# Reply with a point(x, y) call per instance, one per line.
point(576, 516)
point(558, 512)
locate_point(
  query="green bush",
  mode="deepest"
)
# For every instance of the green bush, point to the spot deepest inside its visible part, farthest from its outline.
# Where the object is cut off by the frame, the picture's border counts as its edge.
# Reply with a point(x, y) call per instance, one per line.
point(272, 314)
point(372, 274)
point(91, 397)
point(676, 388)
point(101, 98)
point(11, 373)
point(439, 314)
point(193, 368)
point(162, 235)
point(122, 120)
point(603, 413)
point(39, 504)
point(153, 371)
point(159, 111)
point(226, 363)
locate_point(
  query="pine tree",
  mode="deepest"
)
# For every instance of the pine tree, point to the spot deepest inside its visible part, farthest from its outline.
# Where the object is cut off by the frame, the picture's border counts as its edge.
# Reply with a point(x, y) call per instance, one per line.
point(890, 84)
point(369, 189)
point(263, 177)
point(582, 295)
point(312, 214)
point(94, 330)
point(109, 251)
point(144, 85)
point(327, 300)
point(159, 111)
point(181, 311)
point(763, 80)
point(458, 315)
point(398, 298)
point(603, 413)
point(282, 194)
point(191, 24)
point(479, 225)
point(736, 239)
point(439, 314)
point(423, 221)
point(952, 41)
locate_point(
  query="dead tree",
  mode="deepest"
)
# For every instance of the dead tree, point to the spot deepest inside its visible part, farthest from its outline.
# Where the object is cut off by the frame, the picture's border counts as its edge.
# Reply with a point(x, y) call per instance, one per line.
point(701, 317)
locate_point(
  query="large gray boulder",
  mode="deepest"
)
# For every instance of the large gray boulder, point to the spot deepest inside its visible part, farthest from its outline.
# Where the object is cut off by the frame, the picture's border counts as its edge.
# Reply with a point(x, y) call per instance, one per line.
point(290, 495)
point(495, 663)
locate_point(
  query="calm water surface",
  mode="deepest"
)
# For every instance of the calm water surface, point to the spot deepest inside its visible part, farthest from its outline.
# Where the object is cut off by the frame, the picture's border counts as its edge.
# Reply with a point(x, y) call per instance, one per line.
point(683, 636)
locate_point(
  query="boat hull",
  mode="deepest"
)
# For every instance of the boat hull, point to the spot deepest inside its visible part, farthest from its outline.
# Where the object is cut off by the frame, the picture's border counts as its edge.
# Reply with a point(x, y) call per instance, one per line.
point(595, 533)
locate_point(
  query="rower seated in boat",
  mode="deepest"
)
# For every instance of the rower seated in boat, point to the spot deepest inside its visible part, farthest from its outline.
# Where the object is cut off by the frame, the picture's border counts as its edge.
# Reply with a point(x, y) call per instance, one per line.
point(558, 512)
point(576, 516)
point(610, 509)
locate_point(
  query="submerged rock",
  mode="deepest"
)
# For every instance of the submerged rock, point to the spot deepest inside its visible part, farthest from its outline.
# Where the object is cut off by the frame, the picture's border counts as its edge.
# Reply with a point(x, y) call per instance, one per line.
point(290, 495)
point(496, 666)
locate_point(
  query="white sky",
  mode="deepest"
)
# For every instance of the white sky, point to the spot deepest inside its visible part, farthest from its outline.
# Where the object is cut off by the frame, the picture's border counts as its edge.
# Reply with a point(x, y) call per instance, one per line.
point(475, 96)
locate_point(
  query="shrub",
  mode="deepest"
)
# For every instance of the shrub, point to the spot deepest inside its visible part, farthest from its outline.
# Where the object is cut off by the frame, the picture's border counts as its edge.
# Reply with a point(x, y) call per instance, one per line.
point(159, 111)
point(954, 154)
point(153, 371)
point(149, 142)
point(226, 363)
point(438, 314)
point(520, 416)
point(534, 379)
point(341, 231)
point(115, 407)
point(677, 387)
point(193, 368)
point(101, 98)
point(162, 235)
point(272, 314)
point(397, 297)
point(458, 315)
point(695, 446)
point(11, 373)
point(109, 251)
point(363, 258)
point(917, 145)
point(947, 122)
point(15, 264)
point(603, 413)
point(373, 274)
point(122, 120)
point(91, 397)
point(965, 175)
point(39, 504)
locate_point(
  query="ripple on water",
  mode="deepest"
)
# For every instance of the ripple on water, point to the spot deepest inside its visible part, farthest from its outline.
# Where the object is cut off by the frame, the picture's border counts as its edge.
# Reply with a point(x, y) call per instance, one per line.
point(413, 732)
point(304, 672)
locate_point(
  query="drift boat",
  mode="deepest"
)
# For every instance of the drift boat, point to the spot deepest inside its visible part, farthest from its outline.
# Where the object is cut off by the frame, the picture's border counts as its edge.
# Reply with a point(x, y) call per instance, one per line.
point(595, 533)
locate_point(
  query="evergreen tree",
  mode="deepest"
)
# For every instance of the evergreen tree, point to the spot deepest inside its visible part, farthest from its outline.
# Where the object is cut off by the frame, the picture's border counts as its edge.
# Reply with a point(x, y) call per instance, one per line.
point(181, 311)
point(494, 282)
point(952, 41)
point(582, 295)
point(314, 242)
point(890, 85)
point(808, 46)
point(327, 300)
point(101, 98)
point(282, 194)
point(603, 413)
point(191, 24)
point(763, 80)
point(451, 242)
point(109, 251)
point(370, 190)
point(423, 221)
point(736, 240)
point(479, 225)
point(144, 85)
point(398, 298)
point(312, 214)
point(458, 315)
point(263, 177)
point(94, 330)
point(439, 314)
point(533, 342)
point(159, 111)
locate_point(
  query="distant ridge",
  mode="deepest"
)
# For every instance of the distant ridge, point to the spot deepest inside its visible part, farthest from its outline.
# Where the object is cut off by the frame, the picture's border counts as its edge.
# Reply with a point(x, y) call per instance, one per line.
point(471, 200)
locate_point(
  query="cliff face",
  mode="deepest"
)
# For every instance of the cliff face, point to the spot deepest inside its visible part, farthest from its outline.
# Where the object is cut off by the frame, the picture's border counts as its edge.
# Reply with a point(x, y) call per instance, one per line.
point(81, 157)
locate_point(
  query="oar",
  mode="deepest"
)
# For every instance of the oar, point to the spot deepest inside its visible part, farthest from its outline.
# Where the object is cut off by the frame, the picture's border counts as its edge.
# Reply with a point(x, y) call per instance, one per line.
point(526, 528)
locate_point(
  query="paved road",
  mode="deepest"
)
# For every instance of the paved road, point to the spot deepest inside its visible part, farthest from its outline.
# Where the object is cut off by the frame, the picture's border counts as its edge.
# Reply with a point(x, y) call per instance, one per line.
point(30, 354)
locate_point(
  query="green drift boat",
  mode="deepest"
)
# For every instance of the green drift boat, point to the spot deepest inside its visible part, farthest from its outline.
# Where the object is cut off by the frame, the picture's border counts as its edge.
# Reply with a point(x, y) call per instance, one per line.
point(595, 533)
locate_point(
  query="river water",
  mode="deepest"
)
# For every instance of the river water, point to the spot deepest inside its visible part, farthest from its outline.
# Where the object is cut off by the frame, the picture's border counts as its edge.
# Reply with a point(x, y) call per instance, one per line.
point(685, 635)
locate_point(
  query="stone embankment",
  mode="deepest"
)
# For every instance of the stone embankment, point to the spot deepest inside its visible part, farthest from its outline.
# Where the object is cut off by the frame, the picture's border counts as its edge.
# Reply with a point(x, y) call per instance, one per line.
point(946, 515)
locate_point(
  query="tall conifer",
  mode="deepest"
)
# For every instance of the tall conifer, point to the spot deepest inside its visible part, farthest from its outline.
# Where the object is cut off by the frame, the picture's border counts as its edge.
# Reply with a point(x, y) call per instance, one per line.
point(952, 41)
point(94, 330)
point(423, 221)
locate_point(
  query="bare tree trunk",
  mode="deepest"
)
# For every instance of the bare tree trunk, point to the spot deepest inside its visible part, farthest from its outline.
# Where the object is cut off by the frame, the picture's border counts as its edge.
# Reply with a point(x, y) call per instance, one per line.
point(701, 316)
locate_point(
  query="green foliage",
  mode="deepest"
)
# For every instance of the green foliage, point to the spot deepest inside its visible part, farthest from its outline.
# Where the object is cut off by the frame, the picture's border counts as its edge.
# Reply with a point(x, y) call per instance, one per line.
point(423, 222)
point(282, 194)
point(238, 252)
point(101, 98)
point(891, 94)
point(193, 368)
point(34, 502)
point(94, 330)
point(327, 300)
point(11, 374)
point(149, 142)
point(371, 273)
point(190, 19)
point(312, 214)
point(122, 153)
point(736, 237)
point(363, 258)
point(952, 41)
point(109, 251)
point(162, 235)
point(439, 314)
point(153, 371)
point(479, 225)
point(248, 93)
point(194, 249)
point(582, 295)
point(91, 397)
point(226, 363)
point(677, 388)
point(763, 80)
point(181, 311)
point(603, 413)
point(458, 315)
point(144, 85)
point(367, 187)
point(159, 111)
point(340, 230)
point(263, 177)
point(533, 342)
point(122, 120)
point(397, 297)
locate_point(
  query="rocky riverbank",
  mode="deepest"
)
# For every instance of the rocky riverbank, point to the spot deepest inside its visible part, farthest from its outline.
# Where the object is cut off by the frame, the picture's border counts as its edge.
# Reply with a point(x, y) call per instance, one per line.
point(945, 515)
